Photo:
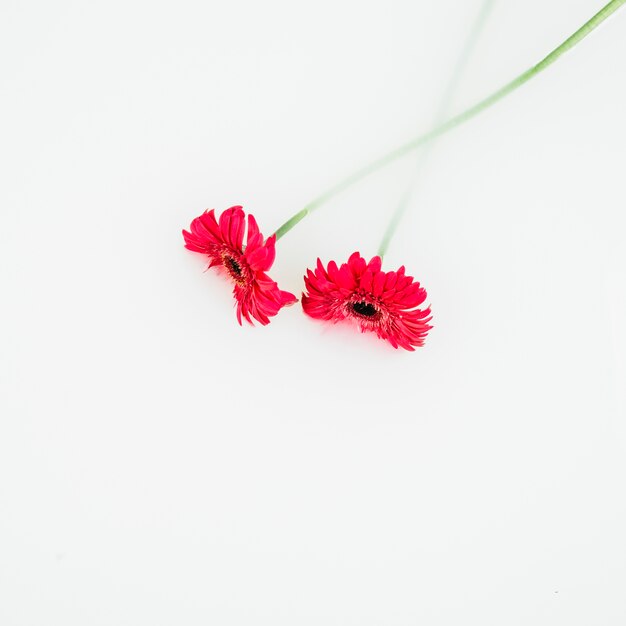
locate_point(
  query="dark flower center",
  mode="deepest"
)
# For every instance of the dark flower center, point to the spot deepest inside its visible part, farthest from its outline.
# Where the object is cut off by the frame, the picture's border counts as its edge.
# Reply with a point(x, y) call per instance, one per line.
point(364, 308)
point(233, 267)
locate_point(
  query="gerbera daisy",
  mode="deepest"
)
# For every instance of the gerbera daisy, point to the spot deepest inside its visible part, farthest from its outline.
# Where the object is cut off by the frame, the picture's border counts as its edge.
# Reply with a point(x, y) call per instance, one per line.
point(257, 295)
point(381, 302)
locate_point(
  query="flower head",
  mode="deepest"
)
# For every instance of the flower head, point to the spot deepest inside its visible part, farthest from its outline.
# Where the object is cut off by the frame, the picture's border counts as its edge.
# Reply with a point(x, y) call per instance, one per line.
point(381, 302)
point(257, 295)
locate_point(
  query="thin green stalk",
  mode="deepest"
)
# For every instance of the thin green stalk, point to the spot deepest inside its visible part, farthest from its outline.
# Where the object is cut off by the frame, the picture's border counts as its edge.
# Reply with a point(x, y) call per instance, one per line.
point(442, 113)
point(457, 120)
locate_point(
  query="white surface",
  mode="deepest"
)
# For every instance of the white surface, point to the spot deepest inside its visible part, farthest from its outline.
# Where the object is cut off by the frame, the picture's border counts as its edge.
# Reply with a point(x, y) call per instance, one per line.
point(160, 465)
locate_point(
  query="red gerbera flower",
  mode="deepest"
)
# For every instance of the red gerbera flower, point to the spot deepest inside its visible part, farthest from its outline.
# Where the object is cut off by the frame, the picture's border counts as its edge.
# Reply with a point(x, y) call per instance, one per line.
point(257, 295)
point(381, 302)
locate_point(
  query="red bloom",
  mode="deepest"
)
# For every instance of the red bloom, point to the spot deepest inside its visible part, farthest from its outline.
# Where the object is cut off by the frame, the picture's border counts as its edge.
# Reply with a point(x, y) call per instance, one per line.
point(382, 302)
point(257, 295)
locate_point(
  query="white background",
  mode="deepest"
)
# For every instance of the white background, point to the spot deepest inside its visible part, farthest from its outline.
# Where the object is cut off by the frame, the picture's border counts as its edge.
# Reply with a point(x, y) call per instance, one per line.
point(160, 465)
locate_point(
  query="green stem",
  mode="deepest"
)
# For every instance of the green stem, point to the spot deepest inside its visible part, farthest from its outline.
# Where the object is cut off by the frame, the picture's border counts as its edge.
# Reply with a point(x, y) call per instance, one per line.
point(441, 115)
point(455, 121)
point(291, 222)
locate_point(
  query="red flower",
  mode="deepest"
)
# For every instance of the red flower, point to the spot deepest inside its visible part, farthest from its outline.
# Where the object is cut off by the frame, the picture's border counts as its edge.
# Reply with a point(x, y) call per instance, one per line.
point(381, 302)
point(257, 295)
